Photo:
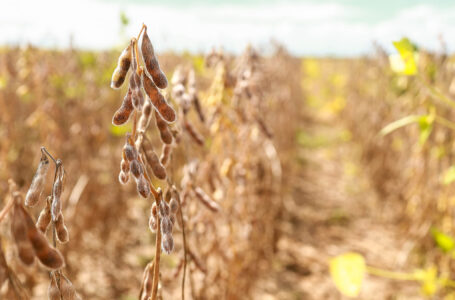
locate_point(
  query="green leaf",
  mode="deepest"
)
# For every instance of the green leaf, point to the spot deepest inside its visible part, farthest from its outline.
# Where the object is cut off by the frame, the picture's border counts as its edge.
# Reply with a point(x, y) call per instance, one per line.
point(407, 54)
point(444, 241)
point(400, 123)
point(347, 271)
point(426, 126)
point(449, 176)
point(124, 19)
point(121, 130)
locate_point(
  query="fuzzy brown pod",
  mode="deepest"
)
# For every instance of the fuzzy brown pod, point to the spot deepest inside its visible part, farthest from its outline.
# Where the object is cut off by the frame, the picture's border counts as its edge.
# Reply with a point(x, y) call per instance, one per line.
point(153, 225)
point(124, 165)
point(136, 168)
point(53, 292)
point(62, 231)
point(196, 136)
point(57, 189)
point(173, 205)
point(146, 115)
point(19, 232)
point(166, 225)
point(147, 282)
point(168, 243)
point(152, 159)
point(158, 100)
point(47, 255)
point(206, 200)
point(135, 85)
point(37, 186)
point(45, 216)
point(165, 154)
point(137, 95)
point(129, 150)
point(123, 65)
point(165, 134)
point(67, 289)
point(122, 115)
point(164, 209)
point(143, 187)
point(123, 177)
point(151, 62)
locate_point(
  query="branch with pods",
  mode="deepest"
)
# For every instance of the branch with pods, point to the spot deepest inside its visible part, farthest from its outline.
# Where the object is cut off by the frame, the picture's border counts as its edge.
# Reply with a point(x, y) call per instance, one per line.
point(138, 155)
point(30, 237)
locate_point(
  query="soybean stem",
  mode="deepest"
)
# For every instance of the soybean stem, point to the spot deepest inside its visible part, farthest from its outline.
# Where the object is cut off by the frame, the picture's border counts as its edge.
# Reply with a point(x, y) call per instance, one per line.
point(140, 32)
point(157, 250)
point(184, 249)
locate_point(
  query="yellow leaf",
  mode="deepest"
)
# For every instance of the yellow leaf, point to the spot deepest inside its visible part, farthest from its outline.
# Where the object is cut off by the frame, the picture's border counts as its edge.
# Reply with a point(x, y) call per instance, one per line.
point(347, 271)
point(408, 66)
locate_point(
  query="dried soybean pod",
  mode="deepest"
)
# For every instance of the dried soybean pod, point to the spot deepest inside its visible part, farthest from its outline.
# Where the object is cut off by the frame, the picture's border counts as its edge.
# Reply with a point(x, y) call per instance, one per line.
point(166, 154)
point(165, 134)
point(166, 225)
point(144, 120)
point(62, 231)
point(67, 289)
point(36, 188)
point(123, 113)
point(129, 150)
point(206, 200)
point(123, 177)
point(19, 232)
point(152, 159)
point(168, 243)
point(151, 62)
point(136, 82)
point(124, 165)
point(152, 223)
point(57, 189)
point(147, 282)
point(136, 168)
point(53, 292)
point(45, 216)
point(193, 133)
point(173, 205)
point(158, 100)
point(47, 255)
point(143, 186)
point(123, 65)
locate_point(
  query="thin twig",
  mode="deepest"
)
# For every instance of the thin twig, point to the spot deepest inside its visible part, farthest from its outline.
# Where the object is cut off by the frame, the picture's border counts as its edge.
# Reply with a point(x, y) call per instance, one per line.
point(140, 32)
point(157, 250)
point(184, 248)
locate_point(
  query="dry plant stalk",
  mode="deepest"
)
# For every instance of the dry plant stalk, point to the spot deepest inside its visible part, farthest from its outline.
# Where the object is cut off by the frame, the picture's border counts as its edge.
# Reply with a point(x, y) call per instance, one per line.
point(30, 239)
point(138, 152)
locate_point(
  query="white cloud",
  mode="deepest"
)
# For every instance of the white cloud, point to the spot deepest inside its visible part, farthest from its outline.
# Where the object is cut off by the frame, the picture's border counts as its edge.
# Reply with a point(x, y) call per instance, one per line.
point(303, 28)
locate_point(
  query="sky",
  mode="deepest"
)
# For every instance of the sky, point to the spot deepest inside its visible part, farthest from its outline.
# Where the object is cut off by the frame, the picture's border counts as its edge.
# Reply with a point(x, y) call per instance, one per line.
point(305, 27)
